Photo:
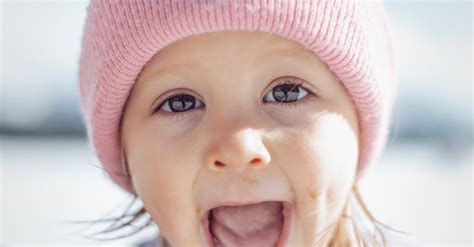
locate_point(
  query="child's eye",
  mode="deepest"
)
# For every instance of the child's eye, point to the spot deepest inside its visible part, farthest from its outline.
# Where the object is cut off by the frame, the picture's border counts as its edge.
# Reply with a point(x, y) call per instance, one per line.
point(286, 92)
point(179, 104)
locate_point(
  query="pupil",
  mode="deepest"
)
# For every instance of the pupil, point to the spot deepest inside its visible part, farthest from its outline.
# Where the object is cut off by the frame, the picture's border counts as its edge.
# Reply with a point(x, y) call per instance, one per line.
point(288, 92)
point(181, 103)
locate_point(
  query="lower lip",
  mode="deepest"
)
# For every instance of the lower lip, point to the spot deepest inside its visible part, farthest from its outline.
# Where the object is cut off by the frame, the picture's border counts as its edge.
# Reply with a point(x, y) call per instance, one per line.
point(286, 211)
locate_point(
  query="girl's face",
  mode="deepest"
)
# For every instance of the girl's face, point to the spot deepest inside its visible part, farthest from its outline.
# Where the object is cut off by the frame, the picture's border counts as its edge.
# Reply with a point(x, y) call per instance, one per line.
point(258, 119)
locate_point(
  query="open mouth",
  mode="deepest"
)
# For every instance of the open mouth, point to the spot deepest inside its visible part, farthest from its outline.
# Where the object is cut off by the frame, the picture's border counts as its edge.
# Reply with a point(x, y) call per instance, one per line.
point(257, 224)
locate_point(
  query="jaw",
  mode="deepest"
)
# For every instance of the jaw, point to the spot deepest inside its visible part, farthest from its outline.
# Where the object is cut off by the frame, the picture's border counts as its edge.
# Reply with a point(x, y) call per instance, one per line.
point(208, 224)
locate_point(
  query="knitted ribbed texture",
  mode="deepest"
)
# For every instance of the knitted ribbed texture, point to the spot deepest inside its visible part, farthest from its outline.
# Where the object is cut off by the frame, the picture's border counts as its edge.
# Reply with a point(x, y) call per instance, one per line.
point(121, 36)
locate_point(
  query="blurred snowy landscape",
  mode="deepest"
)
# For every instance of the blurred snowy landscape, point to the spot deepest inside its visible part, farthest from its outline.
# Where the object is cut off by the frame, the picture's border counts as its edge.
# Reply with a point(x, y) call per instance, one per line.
point(422, 185)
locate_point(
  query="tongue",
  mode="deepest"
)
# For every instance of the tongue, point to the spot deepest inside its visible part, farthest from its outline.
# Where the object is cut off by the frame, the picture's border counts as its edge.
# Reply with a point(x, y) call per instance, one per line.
point(248, 225)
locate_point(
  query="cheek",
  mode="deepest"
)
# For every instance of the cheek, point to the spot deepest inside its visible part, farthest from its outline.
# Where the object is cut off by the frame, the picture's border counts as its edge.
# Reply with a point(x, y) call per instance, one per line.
point(337, 147)
point(325, 150)
point(159, 162)
point(163, 180)
point(320, 161)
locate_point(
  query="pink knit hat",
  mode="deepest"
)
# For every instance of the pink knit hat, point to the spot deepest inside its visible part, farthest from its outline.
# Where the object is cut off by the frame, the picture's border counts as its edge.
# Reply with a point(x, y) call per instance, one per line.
point(351, 37)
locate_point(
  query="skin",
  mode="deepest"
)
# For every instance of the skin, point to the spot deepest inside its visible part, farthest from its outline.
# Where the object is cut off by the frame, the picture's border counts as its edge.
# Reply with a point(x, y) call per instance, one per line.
point(234, 146)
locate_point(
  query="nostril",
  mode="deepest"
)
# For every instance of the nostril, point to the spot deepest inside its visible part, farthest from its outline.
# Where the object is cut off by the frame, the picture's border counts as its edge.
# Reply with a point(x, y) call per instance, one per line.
point(255, 161)
point(219, 164)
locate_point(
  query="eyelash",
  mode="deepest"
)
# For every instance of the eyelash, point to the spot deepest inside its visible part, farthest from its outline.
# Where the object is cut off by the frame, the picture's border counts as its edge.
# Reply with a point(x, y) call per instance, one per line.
point(294, 104)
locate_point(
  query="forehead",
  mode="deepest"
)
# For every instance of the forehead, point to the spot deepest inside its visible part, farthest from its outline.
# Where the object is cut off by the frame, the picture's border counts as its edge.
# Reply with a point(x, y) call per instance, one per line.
point(228, 47)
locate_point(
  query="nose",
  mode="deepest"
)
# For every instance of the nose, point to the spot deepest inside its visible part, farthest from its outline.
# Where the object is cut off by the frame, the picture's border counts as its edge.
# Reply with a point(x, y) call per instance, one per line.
point(238, 151)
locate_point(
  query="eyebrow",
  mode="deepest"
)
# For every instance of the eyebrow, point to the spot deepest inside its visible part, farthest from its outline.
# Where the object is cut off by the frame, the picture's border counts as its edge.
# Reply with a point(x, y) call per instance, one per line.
point(282, 52)
point(171, 68)
point(285, 50)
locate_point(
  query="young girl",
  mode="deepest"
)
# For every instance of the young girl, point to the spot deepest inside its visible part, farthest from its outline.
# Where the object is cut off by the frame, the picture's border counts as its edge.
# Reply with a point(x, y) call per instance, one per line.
point(240, 123)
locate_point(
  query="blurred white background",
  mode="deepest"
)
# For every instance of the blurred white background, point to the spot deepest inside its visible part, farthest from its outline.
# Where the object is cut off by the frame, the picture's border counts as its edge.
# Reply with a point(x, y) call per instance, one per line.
point(422, 185)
